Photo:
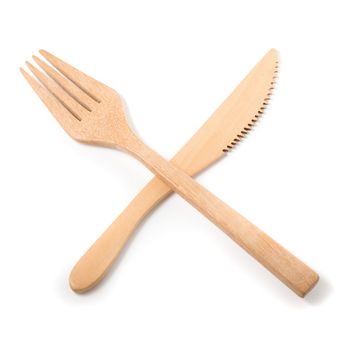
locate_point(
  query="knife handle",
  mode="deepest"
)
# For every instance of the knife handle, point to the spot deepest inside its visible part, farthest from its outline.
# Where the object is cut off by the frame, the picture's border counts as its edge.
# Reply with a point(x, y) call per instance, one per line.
point(98, 259)
point(96, 262)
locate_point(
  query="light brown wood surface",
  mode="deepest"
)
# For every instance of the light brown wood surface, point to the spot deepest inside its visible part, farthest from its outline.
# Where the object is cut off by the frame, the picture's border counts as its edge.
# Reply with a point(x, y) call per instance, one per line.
point(244, 105)
point(94, 114)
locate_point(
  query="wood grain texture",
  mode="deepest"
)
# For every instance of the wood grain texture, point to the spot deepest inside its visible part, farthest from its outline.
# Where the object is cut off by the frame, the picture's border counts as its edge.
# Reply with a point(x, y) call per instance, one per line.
point(240, 109)
point(106, 125)
point(95, 263)
point(285, 266)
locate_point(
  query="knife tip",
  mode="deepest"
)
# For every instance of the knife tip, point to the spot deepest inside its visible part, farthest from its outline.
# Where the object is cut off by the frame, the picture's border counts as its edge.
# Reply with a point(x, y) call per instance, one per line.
point(273, 51)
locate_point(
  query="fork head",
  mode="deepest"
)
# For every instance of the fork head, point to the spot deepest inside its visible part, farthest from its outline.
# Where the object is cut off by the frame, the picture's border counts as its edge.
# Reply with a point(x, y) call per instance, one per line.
point(88, 110)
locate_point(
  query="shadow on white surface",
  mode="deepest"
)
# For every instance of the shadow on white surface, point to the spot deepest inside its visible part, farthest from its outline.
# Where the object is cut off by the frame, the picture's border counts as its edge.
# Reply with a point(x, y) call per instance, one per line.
point(316, 297)
point(320, 293)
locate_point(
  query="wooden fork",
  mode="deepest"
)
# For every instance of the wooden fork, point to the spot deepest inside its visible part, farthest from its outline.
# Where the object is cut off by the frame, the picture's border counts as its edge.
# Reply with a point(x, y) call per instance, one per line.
point(92, 112)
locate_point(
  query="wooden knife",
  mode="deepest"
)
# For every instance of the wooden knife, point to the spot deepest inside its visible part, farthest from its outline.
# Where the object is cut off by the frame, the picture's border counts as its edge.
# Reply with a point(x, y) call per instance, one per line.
point(221, 132)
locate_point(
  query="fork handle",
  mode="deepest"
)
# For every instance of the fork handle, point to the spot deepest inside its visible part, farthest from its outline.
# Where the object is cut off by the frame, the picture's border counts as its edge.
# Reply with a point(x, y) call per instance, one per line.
point(284, 265)
point(96, 262)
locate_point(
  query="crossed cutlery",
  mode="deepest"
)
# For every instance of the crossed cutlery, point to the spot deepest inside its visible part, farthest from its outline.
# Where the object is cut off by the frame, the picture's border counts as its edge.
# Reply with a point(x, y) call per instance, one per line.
point(91, 112)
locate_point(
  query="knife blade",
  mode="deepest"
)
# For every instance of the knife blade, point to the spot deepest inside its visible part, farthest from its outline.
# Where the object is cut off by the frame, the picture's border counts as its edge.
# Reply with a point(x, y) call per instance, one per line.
point(223, 130)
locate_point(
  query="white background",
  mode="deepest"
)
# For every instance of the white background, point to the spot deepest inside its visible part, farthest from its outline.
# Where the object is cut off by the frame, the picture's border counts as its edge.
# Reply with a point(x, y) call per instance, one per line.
point(181, 283)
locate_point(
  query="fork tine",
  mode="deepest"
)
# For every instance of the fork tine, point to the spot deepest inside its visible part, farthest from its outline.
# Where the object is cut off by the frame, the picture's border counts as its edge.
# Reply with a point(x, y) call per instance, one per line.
point(71, 104)
point(78, 94)
point(89, 85)
point(63, 116)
